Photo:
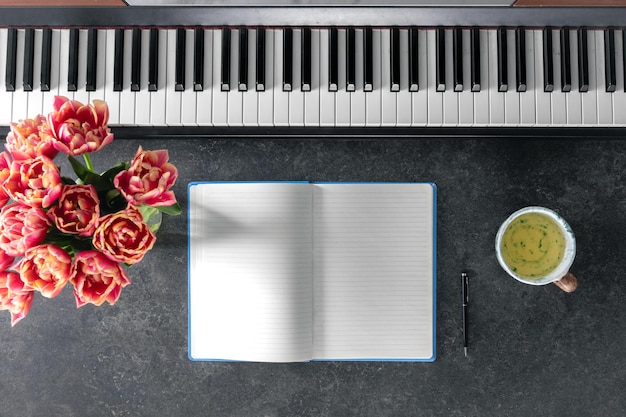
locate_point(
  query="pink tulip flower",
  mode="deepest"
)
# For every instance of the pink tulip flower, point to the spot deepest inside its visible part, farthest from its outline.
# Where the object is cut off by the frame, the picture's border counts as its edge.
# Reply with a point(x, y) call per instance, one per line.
point(30, 138)
point(123, 236)
point(15, 296)
point(46, 268)
point(21, 228)
point(77, 211)
point(34, 182)
point(148, 179)
point(79, 128)
point(96, 278)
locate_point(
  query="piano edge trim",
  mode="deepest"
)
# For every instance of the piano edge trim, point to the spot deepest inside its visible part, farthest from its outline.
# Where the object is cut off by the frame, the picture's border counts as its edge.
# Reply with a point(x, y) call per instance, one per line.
point(362, 133)
point(294, 16)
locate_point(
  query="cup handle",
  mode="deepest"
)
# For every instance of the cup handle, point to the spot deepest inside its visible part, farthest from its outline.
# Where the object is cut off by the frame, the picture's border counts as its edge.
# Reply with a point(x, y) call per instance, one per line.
point(568, 283)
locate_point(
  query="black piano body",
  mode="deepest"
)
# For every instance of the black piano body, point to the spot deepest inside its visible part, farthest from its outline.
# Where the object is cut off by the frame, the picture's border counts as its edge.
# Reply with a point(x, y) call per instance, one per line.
point(323, 71)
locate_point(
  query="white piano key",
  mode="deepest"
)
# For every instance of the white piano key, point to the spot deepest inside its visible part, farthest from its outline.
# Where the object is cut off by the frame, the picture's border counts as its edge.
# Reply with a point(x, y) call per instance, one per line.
point(496, 98)
point(342, 97)
point(64, 57)
point(450, 97)
point(327, 98)
point(542, 99)
point(481, 98)
point(111, 97)
point(174, 98)
point(55, 51)
point(20, 99)
point(142, 97)
point(189, 96)
point(35, 97)
point(605, 102)
point(511, 97)
point(101, 67)
point(204, 110)
point(405, 113)
point(466, 97)
point(435, 98)
point(420, 98)
point(528, 106)
point(573, 99)
point(312, 98)
point(220, 98)
point(389, 98)
point(158, 99)
point(590, 98)
point(6, 97)
point(128, 98)
point(81, 93)
point(266, 98)
point(235, 97)
point(281, 98)
point(251, 97)
point(357, 99)
point(558, 102)
point(373, 99)
point(619, 97)
point(296, 96)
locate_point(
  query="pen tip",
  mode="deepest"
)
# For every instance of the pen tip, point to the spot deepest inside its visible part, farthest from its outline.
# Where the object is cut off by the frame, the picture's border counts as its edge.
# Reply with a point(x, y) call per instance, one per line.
point(465, 349)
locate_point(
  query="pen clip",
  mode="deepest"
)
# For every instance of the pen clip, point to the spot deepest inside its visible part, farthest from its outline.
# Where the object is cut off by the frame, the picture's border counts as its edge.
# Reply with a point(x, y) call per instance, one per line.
point(465, 287)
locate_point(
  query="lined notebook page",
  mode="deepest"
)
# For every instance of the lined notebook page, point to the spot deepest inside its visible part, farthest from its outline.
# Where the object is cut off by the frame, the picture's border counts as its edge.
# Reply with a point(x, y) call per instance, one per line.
point(373, 271)
point(250, 289)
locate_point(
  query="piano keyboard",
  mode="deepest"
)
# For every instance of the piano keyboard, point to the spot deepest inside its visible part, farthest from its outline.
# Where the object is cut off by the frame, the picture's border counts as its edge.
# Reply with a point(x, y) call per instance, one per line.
point(300, 76)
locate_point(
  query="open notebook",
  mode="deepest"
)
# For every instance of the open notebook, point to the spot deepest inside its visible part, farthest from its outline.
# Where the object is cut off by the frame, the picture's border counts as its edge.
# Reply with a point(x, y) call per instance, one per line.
point(295, 271)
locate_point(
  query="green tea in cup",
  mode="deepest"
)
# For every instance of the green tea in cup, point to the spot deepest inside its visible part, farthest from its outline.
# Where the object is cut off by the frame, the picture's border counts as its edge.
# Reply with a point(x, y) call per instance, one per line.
point(536, 246)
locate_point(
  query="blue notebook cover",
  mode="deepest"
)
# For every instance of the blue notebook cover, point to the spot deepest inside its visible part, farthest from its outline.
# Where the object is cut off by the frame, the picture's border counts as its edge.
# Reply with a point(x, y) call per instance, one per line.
point(297, 271)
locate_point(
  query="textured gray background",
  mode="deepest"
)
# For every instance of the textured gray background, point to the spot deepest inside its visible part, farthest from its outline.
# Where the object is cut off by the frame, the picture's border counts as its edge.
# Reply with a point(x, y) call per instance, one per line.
point(534, 351)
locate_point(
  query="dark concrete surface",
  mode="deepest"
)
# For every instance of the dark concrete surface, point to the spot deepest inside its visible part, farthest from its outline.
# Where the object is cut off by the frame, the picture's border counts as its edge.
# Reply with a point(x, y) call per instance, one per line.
point(534, 351)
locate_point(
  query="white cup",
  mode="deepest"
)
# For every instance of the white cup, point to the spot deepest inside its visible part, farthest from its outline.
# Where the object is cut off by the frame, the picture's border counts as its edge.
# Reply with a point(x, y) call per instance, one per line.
point(560, 275)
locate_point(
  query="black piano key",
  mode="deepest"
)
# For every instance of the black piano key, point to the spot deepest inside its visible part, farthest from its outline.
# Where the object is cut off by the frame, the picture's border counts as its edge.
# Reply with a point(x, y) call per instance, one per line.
point(413, 60)
point(609, 60)
point(11, 65)
point(583, 61)
point(305, 65)
point(135, 74)
point(333, 60)
point(548, 65)
point(624, 56)
point(350, 59)
point(475, 59)
point(395, 59)
point(153, 61)
point(118, 60)
point(46, 59)
point(520, 60)
point(198, 59)
point(566, 62)
point(243, 59)
point(225, 84)
point(92, 59)
point(457, 56)
point(287, 59)
point(72, 75)
point(368, 60)
point(260, 59)
point(181, 51)
point(29, 59)
point(440, 74)
point(503, 70)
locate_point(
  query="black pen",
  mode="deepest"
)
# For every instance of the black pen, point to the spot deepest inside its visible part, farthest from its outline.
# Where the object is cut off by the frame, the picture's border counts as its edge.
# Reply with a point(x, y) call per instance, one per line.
point(465, 305)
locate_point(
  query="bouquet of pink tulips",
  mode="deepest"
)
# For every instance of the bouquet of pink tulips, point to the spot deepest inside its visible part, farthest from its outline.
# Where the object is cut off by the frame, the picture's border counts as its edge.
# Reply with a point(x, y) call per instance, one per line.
point(56, 230)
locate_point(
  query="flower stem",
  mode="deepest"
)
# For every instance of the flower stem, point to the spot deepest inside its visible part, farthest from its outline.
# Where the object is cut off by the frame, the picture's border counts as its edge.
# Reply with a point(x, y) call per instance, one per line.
point(87, 159)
